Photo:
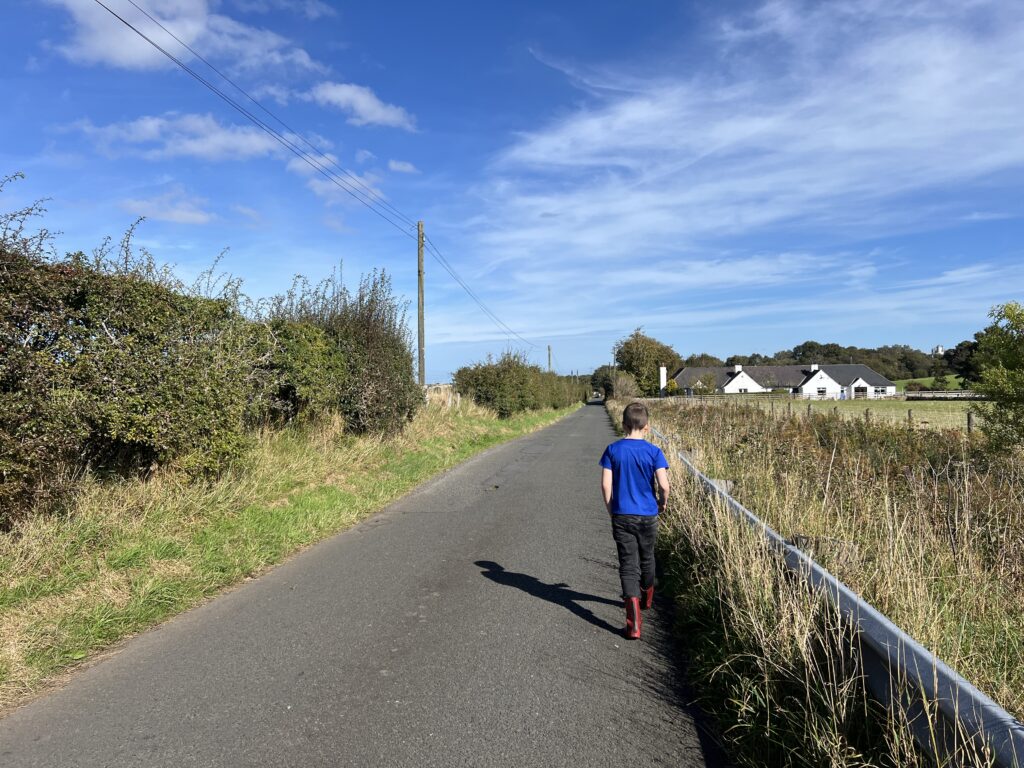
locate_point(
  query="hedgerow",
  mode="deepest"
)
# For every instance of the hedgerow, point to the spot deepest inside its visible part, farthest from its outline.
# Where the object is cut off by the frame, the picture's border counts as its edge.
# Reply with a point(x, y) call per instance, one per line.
point(110, 364)
point(511, 385)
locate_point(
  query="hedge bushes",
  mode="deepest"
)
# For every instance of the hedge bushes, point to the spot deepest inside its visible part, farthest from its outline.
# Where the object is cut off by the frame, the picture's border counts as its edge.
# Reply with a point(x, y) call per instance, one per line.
point(511, 385)
point(111, 365)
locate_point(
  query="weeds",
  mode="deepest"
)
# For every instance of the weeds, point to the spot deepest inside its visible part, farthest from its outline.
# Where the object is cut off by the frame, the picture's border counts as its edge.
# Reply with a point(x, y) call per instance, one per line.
point(923, 525)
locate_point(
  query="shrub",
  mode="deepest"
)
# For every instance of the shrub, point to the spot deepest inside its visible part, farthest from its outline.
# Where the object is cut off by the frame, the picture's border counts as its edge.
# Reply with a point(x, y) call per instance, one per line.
point(1001, 349)
point(109, 363)
point(512, 385)
point(104, 364)
point(360, 340)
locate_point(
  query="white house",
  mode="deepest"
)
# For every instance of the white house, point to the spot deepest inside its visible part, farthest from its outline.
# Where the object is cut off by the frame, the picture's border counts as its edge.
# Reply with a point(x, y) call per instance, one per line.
point(741, 383)
point(818, 385)
point(818, 382)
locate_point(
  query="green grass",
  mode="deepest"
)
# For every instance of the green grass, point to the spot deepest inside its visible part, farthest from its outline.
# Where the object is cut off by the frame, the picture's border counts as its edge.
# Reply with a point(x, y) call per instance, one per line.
point(934, 414)
point(928, 381)
point(133, 553)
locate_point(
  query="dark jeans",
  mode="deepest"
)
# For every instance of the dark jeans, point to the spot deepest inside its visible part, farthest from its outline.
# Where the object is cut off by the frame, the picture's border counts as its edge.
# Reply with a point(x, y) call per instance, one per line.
point(634, 538)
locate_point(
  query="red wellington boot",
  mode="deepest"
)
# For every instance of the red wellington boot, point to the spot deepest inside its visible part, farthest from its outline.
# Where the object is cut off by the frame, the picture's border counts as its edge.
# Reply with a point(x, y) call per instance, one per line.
point(647, 597)
point(633, 618)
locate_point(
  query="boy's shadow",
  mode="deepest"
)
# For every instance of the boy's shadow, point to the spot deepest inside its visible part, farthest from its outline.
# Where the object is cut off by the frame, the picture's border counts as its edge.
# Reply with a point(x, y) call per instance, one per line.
point(559, 594)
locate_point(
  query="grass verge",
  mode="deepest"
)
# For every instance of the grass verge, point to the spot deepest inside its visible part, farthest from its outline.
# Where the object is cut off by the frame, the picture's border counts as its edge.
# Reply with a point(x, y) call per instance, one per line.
point(922, 524)
point(132, 553)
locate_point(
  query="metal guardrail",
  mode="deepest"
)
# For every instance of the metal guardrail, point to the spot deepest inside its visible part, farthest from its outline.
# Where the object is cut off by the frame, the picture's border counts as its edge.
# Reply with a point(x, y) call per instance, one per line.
point(898, 670)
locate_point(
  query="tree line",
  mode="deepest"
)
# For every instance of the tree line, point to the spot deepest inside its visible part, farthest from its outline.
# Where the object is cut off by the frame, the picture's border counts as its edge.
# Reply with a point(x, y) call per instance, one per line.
point(640, 356)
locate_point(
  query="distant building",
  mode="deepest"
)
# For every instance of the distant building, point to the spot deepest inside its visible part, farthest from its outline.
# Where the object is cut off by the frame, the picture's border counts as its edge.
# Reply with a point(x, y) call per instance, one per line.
point(938, 350)
point(818, 382)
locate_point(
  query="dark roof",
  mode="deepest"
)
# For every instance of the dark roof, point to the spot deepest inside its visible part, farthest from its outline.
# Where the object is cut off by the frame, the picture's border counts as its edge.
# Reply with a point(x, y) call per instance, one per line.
point(774, 376)
point(780, 376)
point(846, 374)
point(687, 377)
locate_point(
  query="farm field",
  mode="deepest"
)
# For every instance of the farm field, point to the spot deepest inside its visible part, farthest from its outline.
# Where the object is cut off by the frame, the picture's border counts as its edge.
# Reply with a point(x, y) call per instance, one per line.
point(925, 524)
point(928, 381)
point(934, 414)
point(926, 414)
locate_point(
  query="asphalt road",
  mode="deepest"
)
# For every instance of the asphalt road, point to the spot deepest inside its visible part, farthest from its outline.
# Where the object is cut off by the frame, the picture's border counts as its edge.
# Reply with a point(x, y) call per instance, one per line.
point(476, 622)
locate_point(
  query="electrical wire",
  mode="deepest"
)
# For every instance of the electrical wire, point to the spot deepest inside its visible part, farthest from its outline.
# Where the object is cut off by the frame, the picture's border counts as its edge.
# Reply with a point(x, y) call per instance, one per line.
point(277, 136)
point(435, 252)
point(372, 193)
point(369, 201)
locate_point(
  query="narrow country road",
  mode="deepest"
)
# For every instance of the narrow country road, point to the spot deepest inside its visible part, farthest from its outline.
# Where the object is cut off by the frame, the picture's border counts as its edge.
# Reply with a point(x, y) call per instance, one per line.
point(476, 622)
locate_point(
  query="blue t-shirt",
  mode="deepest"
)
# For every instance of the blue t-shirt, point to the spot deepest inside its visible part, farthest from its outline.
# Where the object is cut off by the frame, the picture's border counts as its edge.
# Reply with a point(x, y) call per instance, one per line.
point(633, 463)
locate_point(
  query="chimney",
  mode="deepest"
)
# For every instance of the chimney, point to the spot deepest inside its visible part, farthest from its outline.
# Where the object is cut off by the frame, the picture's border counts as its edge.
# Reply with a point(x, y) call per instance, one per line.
point(814, 367)
point(737, 368)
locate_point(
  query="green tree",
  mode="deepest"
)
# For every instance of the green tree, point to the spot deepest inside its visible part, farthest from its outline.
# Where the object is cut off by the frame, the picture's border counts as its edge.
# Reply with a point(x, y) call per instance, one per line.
point(1001, 347)
point(701, 360)
point(963, 359)
point(641, 356)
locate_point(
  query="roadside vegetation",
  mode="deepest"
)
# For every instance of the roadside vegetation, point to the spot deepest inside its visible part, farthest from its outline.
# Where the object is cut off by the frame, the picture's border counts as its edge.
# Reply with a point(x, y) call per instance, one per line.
point(926, 525)
point(132, 552)
point(111, 366)
point(511, 385)
point(162, 441)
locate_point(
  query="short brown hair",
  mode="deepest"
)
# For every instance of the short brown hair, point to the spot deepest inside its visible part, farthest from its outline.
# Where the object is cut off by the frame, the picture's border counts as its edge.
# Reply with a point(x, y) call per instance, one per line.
point(634, 417)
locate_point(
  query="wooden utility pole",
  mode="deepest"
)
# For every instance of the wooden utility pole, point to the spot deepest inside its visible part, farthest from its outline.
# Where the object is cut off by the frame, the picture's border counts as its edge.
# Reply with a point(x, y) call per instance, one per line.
point(549, 358)
point(419, 307)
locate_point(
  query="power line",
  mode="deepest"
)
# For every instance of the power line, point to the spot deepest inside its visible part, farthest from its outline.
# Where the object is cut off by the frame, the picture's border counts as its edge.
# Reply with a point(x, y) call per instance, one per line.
point(435, 252)
point(277, 136)
point(373, 194)
point(371, 200)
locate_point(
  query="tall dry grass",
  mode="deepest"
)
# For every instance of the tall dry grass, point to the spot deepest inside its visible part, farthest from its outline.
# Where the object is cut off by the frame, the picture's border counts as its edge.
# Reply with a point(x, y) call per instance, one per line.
point(922, 524)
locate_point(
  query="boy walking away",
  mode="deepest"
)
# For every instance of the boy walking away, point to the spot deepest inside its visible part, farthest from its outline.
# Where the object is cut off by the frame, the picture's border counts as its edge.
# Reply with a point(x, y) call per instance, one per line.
point(631, 468)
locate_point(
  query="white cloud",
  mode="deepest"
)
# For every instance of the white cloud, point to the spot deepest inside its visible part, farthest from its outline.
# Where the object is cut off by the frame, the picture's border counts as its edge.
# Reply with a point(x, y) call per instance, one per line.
point(99, 38)
point(301, 167)
point(175, 206)
point(277, 93)
point(162, 137)
point(364, 156)
point(311, 9)
point(834, 117)
point(362, 105)
point(335, 191)
point(402, 166)
point(254, 217)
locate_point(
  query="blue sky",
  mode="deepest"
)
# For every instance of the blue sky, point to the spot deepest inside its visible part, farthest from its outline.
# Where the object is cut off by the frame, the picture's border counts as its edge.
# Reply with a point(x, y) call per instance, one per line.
point(732, 176)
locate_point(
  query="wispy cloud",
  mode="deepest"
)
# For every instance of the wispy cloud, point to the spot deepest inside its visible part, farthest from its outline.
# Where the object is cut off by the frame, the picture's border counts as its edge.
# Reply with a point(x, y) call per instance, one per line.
point(311, 9)
point(172, 135)
point(96, 37)
point(366, 183)
point(175, 205)
point(402, 166)
point(824, 117)
point(361, 104)
point(251, 215)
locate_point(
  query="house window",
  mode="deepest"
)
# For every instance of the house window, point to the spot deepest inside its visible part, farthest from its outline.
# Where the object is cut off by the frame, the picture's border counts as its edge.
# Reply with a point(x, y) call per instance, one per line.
point(880, 391)
point(822, 391)
point(743, 391)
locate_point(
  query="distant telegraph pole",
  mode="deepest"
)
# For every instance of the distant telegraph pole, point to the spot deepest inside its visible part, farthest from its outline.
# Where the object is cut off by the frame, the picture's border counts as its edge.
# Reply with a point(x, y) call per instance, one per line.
point(419, 308)
point(549, 358)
